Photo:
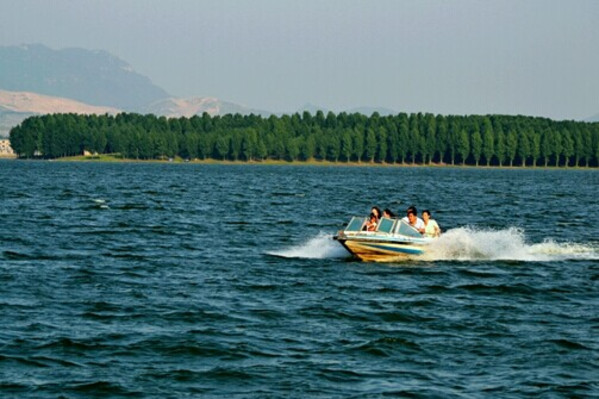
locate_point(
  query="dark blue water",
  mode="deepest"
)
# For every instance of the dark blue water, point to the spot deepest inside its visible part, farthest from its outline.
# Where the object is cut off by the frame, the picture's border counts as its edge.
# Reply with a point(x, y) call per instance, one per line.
point(163, 280)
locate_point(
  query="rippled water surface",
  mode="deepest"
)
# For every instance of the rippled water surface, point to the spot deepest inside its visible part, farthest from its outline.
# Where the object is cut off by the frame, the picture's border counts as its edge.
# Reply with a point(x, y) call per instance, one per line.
point(179, 280)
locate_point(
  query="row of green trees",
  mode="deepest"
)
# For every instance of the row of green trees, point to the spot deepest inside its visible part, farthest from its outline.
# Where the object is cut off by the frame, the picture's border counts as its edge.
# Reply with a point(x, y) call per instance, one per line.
point(402, 138)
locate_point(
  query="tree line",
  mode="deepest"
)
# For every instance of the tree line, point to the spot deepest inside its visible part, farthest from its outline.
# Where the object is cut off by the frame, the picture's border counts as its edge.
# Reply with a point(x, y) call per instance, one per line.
point(416, 138)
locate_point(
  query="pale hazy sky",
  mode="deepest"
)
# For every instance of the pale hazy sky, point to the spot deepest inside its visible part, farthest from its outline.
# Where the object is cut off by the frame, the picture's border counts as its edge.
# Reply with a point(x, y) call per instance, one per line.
point(531, 57)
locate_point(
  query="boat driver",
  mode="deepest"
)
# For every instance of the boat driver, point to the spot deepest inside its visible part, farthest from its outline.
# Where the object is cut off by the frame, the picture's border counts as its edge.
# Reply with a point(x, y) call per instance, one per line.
point(413, 220)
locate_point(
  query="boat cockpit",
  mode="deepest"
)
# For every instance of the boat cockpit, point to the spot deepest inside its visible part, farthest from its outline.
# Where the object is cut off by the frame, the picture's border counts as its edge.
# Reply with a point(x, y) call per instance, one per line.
point(385, 227)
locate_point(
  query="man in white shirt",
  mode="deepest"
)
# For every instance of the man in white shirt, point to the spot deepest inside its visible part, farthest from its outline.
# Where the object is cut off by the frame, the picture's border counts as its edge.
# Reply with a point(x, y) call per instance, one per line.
point(413, 220)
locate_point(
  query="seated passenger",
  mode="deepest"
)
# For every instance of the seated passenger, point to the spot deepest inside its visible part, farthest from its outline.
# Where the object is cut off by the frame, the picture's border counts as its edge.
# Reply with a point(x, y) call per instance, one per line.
point(388, 214)
point(431, 228)
point(371, 223)
point(413, 220)
point(377, 212)
point(411, 208)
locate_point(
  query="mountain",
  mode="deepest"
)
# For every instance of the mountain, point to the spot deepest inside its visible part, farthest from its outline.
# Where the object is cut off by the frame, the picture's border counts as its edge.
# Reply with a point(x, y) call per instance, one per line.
point(594, 118)
point(17, 106)
point(40, 104)
point(35, 79)
point(312, 109)
point(10, 119)
point(91, 77)
point(368, 111)
point(175, 107)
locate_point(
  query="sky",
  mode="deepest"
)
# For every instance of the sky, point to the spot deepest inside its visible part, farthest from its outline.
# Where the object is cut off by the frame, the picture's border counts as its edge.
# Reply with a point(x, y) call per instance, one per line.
point(529, 57)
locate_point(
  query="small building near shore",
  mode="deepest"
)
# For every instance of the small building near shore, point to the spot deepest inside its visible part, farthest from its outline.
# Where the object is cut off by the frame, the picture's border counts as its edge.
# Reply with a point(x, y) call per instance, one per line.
point(6, 150)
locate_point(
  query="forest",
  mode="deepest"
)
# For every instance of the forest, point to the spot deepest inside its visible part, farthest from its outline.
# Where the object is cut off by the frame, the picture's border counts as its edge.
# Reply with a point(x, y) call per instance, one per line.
point(415, 138)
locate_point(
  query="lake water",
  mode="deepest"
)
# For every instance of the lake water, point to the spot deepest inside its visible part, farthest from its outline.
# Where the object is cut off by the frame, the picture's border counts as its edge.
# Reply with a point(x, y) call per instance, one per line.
point(181, 280)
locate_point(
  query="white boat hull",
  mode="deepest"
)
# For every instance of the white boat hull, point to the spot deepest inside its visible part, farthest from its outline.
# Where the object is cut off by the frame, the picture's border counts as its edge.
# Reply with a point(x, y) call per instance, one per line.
point(383, 246)
point(379, 250)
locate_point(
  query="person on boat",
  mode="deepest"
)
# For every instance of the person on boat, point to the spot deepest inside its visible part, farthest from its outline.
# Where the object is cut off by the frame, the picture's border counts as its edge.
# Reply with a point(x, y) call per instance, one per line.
point(388, 214)
point(411, 208)
point(431, 228)
point(377, 212)
point(413, 220)
point(371, 223)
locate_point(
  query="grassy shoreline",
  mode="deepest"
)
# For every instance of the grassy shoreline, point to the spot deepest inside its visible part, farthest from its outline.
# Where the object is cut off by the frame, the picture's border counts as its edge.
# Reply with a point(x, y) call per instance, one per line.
point(108, 158)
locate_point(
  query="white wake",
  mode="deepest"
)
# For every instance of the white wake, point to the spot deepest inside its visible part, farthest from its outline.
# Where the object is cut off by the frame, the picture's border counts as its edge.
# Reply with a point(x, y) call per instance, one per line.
point(462, 244)
point(467, 243)
point(320, 247)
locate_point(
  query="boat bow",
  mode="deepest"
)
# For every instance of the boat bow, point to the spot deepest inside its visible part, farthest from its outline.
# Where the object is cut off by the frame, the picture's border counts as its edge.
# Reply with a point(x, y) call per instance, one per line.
point(392, 240)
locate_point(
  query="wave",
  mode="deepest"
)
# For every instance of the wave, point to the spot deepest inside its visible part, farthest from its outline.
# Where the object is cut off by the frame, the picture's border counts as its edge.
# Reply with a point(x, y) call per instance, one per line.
point(320, 247)
point(469, 243)
point(100, 203)
point(462, 244)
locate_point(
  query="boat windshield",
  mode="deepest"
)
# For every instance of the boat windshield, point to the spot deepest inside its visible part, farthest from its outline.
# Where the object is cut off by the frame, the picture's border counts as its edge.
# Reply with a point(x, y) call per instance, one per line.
point(406, 230)
point(355, 224)
point(386, 225)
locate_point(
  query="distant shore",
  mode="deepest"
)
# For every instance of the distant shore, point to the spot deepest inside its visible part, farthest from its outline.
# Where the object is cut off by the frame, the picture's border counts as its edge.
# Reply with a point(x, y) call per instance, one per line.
point(109, 158)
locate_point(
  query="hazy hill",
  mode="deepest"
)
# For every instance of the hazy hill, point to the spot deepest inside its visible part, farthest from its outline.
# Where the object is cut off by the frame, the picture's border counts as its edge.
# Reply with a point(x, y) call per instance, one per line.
point(10, 119)
point(594, 118)
point(35, 79)
point(312, 109)
point(16, 106)
point(371, 110)
point(175, 107)
point(41, 104)
point(92, 77)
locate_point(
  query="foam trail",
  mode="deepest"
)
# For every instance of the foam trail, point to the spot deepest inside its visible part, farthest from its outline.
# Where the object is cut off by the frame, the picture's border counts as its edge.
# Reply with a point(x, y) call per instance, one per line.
point(561, 251)
point(100, 203)
point(462, 244)
point(320, 247)
point(467, 243)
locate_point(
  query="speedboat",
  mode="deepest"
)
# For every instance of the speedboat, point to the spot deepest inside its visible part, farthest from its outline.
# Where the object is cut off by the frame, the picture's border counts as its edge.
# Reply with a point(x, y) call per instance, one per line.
point(393, 240)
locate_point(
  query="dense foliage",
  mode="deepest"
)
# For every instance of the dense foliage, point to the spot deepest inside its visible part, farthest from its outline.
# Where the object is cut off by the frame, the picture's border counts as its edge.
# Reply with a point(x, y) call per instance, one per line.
point(403, 138)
